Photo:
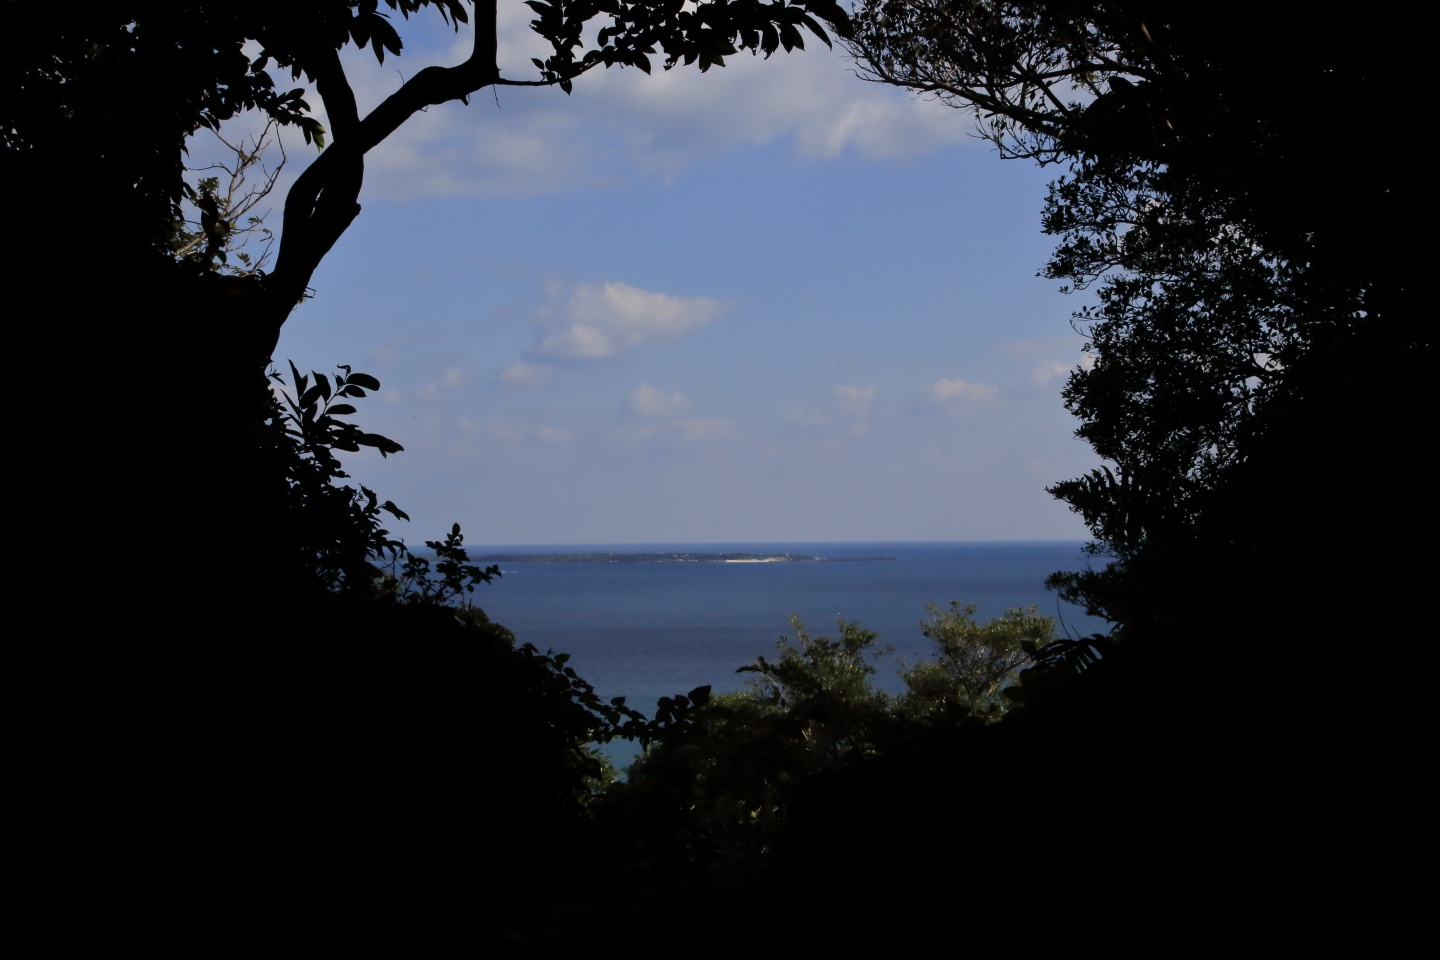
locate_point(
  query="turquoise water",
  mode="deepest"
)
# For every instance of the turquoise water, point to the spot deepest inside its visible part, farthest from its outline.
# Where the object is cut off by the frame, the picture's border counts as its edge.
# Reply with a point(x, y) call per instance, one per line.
point(647, 630)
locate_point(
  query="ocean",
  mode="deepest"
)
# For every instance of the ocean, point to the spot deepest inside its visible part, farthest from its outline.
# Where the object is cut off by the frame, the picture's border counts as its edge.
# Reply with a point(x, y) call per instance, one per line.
point(647, 630)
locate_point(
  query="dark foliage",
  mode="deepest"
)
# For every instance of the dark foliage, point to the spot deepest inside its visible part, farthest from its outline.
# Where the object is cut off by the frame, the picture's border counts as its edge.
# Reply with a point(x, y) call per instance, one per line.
point(257, 708)
point(108, 95)
point(703, 811)
point(1259, 354)
point(1244, 321)
point(250, 735)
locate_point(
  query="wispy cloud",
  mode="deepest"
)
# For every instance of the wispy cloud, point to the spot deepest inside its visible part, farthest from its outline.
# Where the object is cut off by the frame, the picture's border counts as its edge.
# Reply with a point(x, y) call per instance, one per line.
point(602, 319)
point(621, 123)
point(651, 401)
point(525, 374)
point(503, 430)
point(854, 405)
point(854, 401)
point(688, 432)
point(1050, 359)
point(850, 407)
point(452, 378)
point(960, 396)
point(1042, 374)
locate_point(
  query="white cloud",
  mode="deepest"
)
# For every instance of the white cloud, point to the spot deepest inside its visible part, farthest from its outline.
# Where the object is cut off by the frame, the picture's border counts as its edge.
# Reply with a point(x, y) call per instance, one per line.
point(851, 406)
point(620, 123)
point(854, 401)
point(958, 395)
point(452, 378)
point(653, 402)
point(1050, 358)
point(602, 319)
point(525, 374)
point(1041, 375)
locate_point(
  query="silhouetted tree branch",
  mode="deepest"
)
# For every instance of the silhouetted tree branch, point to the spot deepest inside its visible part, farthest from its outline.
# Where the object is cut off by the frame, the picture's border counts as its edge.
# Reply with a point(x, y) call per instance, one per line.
point(227, 220)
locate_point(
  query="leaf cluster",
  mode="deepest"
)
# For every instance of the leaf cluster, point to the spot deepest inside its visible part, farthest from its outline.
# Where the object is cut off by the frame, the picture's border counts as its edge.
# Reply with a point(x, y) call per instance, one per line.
point(335, 529)
point(1195, 326)
point(345, 554)
point(707, 801)
point(1234, 290)
point(703, 33)
point(976, 666)
point(290, 39)
point(1024, 68)
point(343, 548)
point(116, 89)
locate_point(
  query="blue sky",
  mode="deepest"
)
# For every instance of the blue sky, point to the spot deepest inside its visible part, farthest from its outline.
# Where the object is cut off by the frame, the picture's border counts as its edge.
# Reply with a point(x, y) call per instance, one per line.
point(771, 302)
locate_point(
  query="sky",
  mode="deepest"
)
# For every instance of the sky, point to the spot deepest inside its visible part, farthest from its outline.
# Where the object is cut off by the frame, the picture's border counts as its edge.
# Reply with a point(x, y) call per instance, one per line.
point(771, 302)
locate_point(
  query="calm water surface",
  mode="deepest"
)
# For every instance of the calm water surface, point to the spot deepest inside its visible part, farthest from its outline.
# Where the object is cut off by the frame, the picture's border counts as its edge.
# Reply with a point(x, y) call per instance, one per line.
point(647, 630)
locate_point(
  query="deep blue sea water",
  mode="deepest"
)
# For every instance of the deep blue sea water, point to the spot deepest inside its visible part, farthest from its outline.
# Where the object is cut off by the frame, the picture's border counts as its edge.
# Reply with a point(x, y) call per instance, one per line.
point(647, 630)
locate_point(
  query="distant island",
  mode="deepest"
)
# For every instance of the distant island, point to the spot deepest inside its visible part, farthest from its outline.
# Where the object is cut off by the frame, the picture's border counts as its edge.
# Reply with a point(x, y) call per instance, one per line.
point(662, 558)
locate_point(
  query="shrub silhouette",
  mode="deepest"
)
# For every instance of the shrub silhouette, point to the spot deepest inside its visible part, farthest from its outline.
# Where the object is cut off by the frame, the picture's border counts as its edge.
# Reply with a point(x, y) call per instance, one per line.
point(705, 807)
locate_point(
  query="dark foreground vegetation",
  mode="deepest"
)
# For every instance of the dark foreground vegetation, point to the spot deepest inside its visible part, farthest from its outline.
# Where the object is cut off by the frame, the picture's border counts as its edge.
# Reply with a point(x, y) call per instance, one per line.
point(341, 751)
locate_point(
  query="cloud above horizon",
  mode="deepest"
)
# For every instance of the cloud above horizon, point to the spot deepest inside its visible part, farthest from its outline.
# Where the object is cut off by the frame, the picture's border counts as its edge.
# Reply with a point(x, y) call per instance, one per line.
point(1051, 358)
point(620, 123)
point(525, 374)
point(602, 319)
point(452, 378)
point(651, 401)
point(959, 396)
point(851, 407)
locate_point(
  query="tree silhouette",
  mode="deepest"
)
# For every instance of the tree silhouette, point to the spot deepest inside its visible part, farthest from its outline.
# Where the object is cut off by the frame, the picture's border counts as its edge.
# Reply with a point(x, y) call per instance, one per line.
point(288, 754)
point(1259, 354)
point(1243, 322)
point(176, 67)
point(704, 809)
point(100, 102)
